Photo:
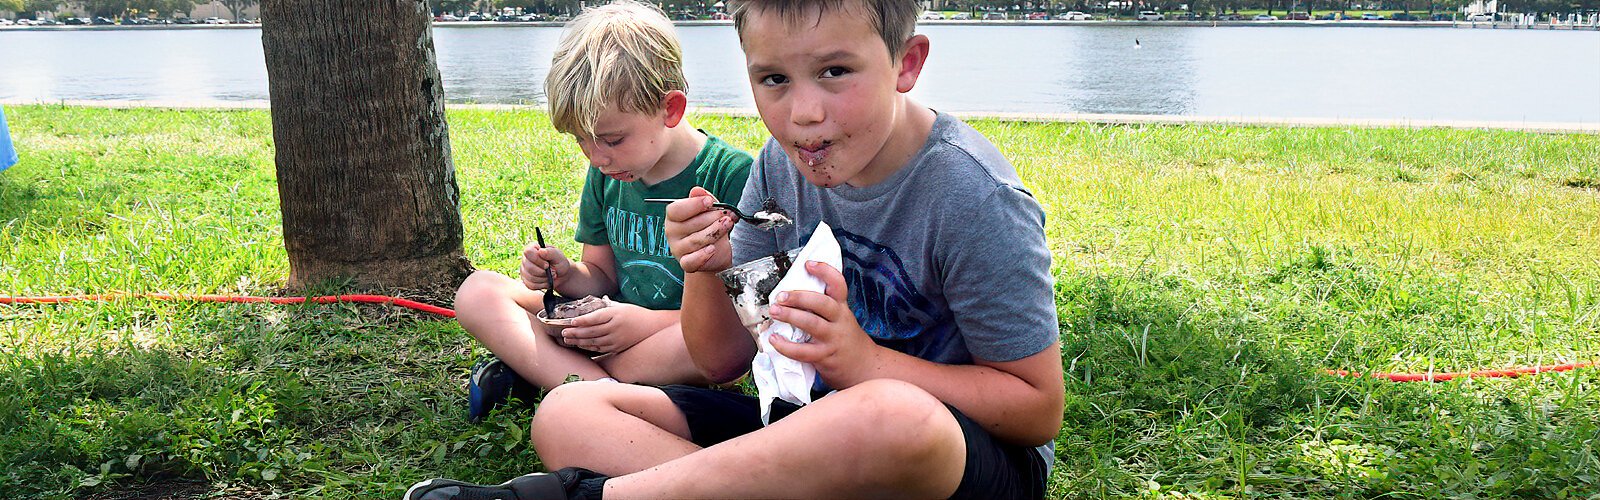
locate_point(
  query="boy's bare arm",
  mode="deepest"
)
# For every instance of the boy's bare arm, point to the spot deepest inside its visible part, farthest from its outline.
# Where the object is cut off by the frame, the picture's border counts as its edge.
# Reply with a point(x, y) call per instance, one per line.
point(1018, 401)
point(595, 274)
point(698, 235)
point(719, 345)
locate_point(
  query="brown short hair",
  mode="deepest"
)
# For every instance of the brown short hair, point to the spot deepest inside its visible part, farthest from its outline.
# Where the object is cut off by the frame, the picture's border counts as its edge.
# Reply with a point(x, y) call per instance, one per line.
point(895, 20)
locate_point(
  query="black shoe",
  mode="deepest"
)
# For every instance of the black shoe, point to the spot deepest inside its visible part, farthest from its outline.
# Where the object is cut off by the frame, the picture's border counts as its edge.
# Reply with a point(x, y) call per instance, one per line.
point(571, 483)
point(492, 384)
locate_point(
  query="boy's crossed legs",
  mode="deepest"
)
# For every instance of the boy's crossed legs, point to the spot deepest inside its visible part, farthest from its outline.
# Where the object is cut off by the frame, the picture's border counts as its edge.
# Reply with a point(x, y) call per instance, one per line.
point(879, 438)
point(494, 309)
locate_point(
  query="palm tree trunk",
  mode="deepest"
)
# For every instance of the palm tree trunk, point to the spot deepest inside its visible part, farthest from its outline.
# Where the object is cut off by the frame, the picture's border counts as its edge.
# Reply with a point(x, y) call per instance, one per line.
point(365, 179)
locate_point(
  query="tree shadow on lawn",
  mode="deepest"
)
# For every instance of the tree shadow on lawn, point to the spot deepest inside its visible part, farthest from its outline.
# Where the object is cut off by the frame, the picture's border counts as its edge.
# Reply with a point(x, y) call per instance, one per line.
point(330, 400)
point(1170, 392)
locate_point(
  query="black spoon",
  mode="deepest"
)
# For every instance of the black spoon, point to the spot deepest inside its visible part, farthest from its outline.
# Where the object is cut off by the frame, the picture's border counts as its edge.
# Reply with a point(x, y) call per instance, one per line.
point(765, 219)
point(551, 300)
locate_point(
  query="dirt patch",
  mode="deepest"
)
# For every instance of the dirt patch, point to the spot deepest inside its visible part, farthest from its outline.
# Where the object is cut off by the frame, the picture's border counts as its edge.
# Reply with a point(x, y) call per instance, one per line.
point(183, 490)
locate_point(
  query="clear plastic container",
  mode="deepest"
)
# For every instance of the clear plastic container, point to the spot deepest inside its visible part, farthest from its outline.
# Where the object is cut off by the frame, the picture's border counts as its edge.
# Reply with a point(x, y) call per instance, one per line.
point(750, 286)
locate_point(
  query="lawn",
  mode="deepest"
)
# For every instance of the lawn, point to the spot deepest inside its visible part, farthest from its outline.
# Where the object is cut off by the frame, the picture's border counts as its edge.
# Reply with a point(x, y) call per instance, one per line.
point(1205, 277)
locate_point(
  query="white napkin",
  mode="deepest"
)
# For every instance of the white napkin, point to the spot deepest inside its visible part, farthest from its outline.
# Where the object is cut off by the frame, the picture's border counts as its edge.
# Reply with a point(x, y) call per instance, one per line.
point(778, 376)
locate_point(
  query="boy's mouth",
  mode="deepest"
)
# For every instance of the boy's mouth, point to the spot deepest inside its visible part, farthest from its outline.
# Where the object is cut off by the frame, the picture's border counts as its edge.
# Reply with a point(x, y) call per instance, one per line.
point(813, 153)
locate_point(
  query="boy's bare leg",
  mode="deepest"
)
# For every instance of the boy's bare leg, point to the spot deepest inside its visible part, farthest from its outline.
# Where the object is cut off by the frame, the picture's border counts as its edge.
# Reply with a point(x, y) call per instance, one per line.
point(486, 306)
point(609, 428)
point(660, 359)
point(880, 438)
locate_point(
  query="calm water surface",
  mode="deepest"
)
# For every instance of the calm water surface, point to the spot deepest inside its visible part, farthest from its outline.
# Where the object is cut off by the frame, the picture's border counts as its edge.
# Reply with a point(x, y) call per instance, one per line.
point(1278, 72)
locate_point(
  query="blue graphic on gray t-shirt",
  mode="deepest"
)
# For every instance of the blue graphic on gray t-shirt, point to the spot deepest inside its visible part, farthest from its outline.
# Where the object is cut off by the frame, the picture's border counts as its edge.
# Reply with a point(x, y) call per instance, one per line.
point(888, 305)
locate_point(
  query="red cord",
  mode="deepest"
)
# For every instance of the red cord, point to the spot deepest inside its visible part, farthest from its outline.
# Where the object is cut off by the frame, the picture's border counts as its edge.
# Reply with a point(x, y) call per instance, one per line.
point(411, 304)
point(327, 299)
point(1442, 377)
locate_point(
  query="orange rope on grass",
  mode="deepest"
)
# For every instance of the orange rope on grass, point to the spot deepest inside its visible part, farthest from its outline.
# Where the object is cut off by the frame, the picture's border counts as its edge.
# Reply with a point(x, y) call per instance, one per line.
point(326, 299)
point(1443, 377)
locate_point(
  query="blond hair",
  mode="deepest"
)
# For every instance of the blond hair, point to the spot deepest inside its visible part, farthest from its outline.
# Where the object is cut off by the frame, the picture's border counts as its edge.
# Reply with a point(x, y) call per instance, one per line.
point(621, 54)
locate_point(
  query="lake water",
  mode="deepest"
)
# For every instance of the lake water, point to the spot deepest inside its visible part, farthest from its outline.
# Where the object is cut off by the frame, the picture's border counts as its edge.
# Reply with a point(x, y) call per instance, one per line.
point(1253, 72)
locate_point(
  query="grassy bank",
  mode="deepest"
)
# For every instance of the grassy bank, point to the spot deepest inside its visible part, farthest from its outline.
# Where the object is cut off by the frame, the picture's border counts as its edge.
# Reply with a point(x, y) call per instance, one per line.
point(1205, 275)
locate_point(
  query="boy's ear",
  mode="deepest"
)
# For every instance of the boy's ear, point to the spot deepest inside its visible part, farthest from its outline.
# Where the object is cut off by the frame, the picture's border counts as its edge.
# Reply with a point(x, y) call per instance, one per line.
point(911, 60)
point(675, 104)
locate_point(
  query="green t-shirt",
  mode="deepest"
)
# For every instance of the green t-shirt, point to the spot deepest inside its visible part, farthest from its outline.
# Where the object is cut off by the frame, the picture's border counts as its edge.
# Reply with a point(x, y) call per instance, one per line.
point(614, 213)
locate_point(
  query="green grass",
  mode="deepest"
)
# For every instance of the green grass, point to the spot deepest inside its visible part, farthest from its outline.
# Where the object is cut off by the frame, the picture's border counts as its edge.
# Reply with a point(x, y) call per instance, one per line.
point(1205, 276)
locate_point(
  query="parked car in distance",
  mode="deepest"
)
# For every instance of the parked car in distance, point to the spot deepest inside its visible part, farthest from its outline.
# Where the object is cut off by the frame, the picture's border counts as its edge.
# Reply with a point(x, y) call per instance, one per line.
point(1189, 16)
point(960, 16)
point(1368, 16)
point(101, 21)
point(74, 21)
point(475, 17)
point(1150, 15)
point(1038, 16)
point(445, 18)
point(1481, 16)
point(1075, 16)
point(1298, 16)
point(1264, 17)
point(6, 22)
point(216, 20)
point(1228, 17)
point(1403, 16)
point(994, 16)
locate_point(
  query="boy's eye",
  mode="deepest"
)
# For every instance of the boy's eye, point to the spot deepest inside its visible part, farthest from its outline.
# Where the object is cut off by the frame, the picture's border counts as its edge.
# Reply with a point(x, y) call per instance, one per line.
point(834, 72)
point(612, 143)
point(771, 80)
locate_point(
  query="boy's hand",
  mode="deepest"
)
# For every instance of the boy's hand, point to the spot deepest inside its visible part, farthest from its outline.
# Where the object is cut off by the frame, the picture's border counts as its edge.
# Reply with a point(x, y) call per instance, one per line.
point(842, 352)
point(698, 234)
point(534, 261)
point(610, 329)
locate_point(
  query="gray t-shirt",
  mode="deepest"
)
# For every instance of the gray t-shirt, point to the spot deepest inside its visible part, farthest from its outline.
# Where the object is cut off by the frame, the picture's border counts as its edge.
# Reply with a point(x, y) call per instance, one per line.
point(945, 260)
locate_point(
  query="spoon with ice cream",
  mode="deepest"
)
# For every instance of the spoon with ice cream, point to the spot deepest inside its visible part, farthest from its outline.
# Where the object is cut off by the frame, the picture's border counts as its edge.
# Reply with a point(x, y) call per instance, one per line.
point(768, 218)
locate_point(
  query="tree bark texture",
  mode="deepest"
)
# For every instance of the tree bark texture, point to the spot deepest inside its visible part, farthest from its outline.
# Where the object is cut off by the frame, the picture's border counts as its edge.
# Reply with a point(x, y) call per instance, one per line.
point(365, 180)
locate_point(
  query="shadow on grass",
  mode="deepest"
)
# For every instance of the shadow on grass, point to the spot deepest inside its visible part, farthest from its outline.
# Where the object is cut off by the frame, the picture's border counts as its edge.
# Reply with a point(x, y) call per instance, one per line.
point(312, 400)
point(1169, 392)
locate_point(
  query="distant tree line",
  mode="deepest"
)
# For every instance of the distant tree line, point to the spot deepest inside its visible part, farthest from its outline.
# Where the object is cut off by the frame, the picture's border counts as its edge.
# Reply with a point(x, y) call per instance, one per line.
point(1226, 6)
point(170, 8)
point(120, 8)
point(704, 7)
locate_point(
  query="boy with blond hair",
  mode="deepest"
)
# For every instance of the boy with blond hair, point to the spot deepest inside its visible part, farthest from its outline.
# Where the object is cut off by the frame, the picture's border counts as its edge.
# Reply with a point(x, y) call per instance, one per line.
point(938, 339)
point(616, 85)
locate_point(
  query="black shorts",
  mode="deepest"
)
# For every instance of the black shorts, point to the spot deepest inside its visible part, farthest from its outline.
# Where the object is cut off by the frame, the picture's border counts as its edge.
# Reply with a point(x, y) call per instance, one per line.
point(993, 470)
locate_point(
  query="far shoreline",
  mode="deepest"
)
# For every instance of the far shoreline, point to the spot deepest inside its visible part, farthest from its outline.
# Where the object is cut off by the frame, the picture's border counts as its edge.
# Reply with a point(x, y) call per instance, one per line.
point(1099, 118)
point(1346, 23)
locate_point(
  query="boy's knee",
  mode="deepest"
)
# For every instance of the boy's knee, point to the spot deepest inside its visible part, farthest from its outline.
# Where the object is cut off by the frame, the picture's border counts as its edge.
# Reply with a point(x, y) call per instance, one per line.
point(480, 287)
point(478, 283)
point(565, 403)
point(901, 416)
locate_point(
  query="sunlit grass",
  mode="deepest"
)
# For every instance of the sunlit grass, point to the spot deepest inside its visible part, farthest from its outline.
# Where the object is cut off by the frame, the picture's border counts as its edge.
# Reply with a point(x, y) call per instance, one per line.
point(1205, 275)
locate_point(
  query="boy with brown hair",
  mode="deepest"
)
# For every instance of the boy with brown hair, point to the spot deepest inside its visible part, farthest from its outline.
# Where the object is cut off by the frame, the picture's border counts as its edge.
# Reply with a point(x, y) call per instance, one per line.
point(938, 338)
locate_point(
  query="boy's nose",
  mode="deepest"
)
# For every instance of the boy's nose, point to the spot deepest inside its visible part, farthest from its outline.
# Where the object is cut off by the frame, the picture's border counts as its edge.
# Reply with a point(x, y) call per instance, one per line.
point(806, 108)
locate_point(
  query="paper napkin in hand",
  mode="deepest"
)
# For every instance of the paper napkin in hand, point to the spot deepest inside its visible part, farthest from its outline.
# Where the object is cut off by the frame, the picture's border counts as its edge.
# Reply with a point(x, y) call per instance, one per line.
point(777, 376)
